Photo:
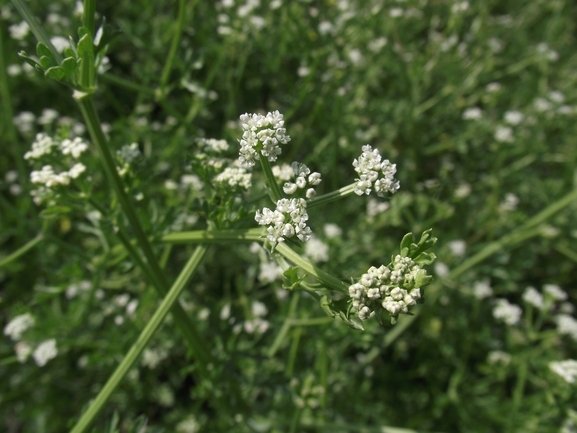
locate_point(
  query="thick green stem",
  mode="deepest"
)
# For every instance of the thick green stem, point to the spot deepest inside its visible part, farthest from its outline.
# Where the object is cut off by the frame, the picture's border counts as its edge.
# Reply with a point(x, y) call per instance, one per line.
point(271, 181)
point(89, 7)
point(332, 196)
point(160, 282)
point(255, 235)
point(143, 339)
point(215, 236)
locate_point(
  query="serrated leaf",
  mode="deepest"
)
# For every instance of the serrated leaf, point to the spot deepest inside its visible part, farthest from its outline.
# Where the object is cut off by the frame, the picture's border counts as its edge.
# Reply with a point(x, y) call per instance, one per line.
point(414, 250)
point(291, 279)
point(56, 73)
point(425, 259)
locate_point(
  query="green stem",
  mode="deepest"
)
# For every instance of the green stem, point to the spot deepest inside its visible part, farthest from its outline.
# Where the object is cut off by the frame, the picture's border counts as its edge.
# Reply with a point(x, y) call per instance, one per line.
point(275, 192)
point(160, 282)
point(332, 196)
point(255, 235)
point(36, 28)
point(215, 236)
point(89, 7)
point(22, 250)
point(8, 127)
point(143, 339)
point(327, 279)
point(173, 48)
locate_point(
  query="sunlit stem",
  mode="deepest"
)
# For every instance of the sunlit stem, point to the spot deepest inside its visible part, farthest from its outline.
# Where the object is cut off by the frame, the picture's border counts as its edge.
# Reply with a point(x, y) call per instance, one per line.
point(332, 196)
point(274, 188)
point(142, 341)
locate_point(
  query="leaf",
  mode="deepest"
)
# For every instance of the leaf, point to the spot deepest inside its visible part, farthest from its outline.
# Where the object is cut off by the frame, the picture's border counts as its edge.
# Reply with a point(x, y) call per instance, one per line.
point(56, 73)
point(84, 46)
point(42, 50)
point(69, 52)
point(54, 211)
point(425, 259)
point(45, 62)
point(70, 65)
point(105, 34)
point(291, 279)
point(412, 250)
point(24, 56)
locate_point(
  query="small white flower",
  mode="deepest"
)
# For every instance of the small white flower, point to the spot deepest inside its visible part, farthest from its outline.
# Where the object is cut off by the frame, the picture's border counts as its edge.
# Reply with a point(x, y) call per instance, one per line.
point(45, 352)
point(262, 134)
point(567, 325)
point(504, 134)
point(317, 250)
point(375, 173)
point(533, 297)
point(507, 312)
point(269, 272)
point(555, 292)
point(19, 31)
point(474, 113)
point(514, 117)
point(48, 116)
point(493, 87)
point(457, 247)
point(567, 369)
point(482, 289)
point(23, 351)
point(332, 230)
point(18, 325)
point(498, 357)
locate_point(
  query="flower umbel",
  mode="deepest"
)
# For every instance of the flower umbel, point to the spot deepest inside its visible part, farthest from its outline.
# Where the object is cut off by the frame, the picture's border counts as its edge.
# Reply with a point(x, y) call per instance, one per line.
point(262, 134)
point(398, 286)
point(375, 173)
point(289, 219)
point(302, 178)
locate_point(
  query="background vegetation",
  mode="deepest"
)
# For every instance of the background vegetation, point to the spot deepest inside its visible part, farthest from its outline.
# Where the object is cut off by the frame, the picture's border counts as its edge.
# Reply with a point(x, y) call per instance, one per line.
point(474, 101)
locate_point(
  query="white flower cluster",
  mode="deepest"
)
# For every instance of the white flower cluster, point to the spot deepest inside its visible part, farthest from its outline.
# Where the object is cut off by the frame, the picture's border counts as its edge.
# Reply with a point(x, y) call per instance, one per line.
point(47, 176)
point(289, 219)
point(129, 152)
point(50, 179)
point(41, 146)
point(368, 166)
point(18, 325)
point(262, 134)
point(45, 352)
point(234, 177)
point(392, 288)
point(303, 178)
point(566, 369)
point(567, 325)
point(507, 312)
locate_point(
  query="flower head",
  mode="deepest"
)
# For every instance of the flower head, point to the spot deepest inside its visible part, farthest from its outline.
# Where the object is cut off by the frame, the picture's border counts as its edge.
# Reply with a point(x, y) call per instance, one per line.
point(288, 220)
point(262, 134)
point(394, 288)
point(18, 325)
point(375, 173)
